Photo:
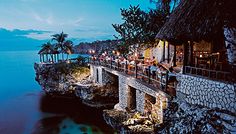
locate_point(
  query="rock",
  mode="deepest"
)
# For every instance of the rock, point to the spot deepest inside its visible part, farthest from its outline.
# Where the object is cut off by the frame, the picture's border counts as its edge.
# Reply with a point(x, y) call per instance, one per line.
point(96, 95)
point(196, 119)
point(59, 78)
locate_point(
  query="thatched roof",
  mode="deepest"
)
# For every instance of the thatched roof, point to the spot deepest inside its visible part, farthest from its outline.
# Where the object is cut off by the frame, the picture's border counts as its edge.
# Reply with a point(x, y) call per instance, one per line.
point(198, 20)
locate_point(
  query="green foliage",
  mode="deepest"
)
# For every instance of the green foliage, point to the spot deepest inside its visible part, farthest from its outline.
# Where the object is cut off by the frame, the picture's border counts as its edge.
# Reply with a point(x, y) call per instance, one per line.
point(139, 27)
point(67, 68)
point(62, 45)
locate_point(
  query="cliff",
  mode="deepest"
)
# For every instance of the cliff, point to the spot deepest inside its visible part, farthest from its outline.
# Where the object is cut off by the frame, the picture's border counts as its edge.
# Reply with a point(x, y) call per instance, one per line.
point(60, 78)
point(180, 117)
point(96, 95)
point(73, 79)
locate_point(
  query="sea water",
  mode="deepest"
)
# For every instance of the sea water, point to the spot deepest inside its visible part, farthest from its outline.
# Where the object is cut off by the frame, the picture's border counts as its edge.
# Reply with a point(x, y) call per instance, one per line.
point(24, 108)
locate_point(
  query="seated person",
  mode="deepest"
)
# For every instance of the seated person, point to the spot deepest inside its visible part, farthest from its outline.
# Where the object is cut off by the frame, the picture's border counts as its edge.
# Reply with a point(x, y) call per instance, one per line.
point(172, 75)
point(154, 60)
point(153, 70)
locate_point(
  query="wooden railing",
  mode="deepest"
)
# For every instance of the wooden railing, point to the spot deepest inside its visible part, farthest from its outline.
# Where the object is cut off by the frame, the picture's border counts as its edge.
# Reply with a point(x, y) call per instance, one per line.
point(210, 74)
point(160, 80)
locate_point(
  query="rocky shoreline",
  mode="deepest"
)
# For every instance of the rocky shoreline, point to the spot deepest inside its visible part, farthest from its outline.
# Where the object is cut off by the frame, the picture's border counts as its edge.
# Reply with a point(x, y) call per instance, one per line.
point(180, 117)
point(74, 80)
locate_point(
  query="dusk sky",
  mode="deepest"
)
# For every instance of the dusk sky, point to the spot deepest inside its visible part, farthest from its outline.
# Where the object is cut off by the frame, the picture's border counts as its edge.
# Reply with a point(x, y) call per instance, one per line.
point(83, 20)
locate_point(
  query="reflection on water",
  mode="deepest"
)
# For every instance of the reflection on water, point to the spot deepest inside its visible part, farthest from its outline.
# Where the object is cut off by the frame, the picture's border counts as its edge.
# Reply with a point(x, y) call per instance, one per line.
point(70, 116)
point(24, 108)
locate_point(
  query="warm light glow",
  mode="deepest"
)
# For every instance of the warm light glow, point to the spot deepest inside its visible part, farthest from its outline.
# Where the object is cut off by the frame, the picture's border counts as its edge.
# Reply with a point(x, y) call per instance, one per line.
point(135, 54)
point(113, 52)
point(118, 53)
point(200, 56)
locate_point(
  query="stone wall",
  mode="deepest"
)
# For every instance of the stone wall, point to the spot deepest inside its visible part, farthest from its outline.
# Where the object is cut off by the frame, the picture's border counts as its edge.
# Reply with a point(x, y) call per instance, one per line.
point(125, 83)
point(209, 93)
point(101, 76)
point(97, 74)
point(141, 90)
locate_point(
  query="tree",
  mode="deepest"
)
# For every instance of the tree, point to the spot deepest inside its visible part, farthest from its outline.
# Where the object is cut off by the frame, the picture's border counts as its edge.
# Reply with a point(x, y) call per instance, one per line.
point(47, 49)
point(68, 47)
point(131, 30)
point(139, 28)
point(62, 45)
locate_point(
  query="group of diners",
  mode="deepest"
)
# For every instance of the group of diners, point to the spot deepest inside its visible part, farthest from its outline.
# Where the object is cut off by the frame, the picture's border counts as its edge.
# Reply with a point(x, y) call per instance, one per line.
point(147, 66)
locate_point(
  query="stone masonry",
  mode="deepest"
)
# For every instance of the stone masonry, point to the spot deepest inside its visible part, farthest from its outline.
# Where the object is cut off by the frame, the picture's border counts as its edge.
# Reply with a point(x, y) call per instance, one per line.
point(209, 93)
point(124, 83)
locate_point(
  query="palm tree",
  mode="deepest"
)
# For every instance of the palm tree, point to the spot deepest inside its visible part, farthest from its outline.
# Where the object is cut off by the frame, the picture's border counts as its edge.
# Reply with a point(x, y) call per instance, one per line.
point(46, 49)
point(68, 47)
point(60, 42)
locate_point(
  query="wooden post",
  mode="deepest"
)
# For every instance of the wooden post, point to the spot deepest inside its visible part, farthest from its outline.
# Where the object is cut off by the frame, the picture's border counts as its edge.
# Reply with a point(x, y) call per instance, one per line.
point(174, 58)
point(118, 64)
point(149, 75)
point(166, 84)
point(111, 62)
point(168, 52)
point(136, 70)
point(190, 53)
point(164, 51)
point(186, 54)
point(126, 67)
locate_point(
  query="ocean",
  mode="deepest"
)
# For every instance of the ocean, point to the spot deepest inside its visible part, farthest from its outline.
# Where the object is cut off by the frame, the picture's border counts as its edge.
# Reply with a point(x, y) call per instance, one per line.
point(24, 108)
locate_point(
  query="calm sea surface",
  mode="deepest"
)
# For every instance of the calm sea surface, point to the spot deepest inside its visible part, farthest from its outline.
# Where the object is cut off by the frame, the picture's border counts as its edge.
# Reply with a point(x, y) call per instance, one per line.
point(24, 109)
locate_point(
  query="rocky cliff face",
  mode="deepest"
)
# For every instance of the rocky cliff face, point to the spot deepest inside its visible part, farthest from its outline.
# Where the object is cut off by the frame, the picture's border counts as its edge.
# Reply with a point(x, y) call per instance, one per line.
point(60, 78)
point(73, 79)
point(180, 117)
point(96, 95)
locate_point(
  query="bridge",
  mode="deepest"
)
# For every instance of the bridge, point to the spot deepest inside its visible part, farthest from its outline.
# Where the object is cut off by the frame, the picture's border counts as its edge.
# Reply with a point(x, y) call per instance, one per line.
point(136, 88)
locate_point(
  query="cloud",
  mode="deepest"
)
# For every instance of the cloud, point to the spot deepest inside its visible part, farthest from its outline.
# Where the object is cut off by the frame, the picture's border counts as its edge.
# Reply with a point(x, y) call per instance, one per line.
point(48, 19)
point(17, 40)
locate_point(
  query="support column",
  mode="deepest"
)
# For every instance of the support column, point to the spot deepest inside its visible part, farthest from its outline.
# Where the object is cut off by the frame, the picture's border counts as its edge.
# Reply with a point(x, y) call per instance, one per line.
point(40, 57)
point(168, 52)
point(186, 55)
point(123, 92)
point(140, 101)
point(164, 51)
point(190, 53)
point(43, 57)
point(174, 58)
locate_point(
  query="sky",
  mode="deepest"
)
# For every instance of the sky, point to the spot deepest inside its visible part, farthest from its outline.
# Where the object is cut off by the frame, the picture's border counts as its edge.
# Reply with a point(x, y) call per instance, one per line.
point(30, 21)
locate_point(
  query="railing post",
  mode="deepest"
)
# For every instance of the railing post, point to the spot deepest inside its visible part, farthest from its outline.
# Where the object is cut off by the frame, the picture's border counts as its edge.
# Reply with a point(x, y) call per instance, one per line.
point(136, 70)
point(126, 67)
point(166, 84)
point(149, 75)
point(111, 62)
point(161, 80)
point(118, 64)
